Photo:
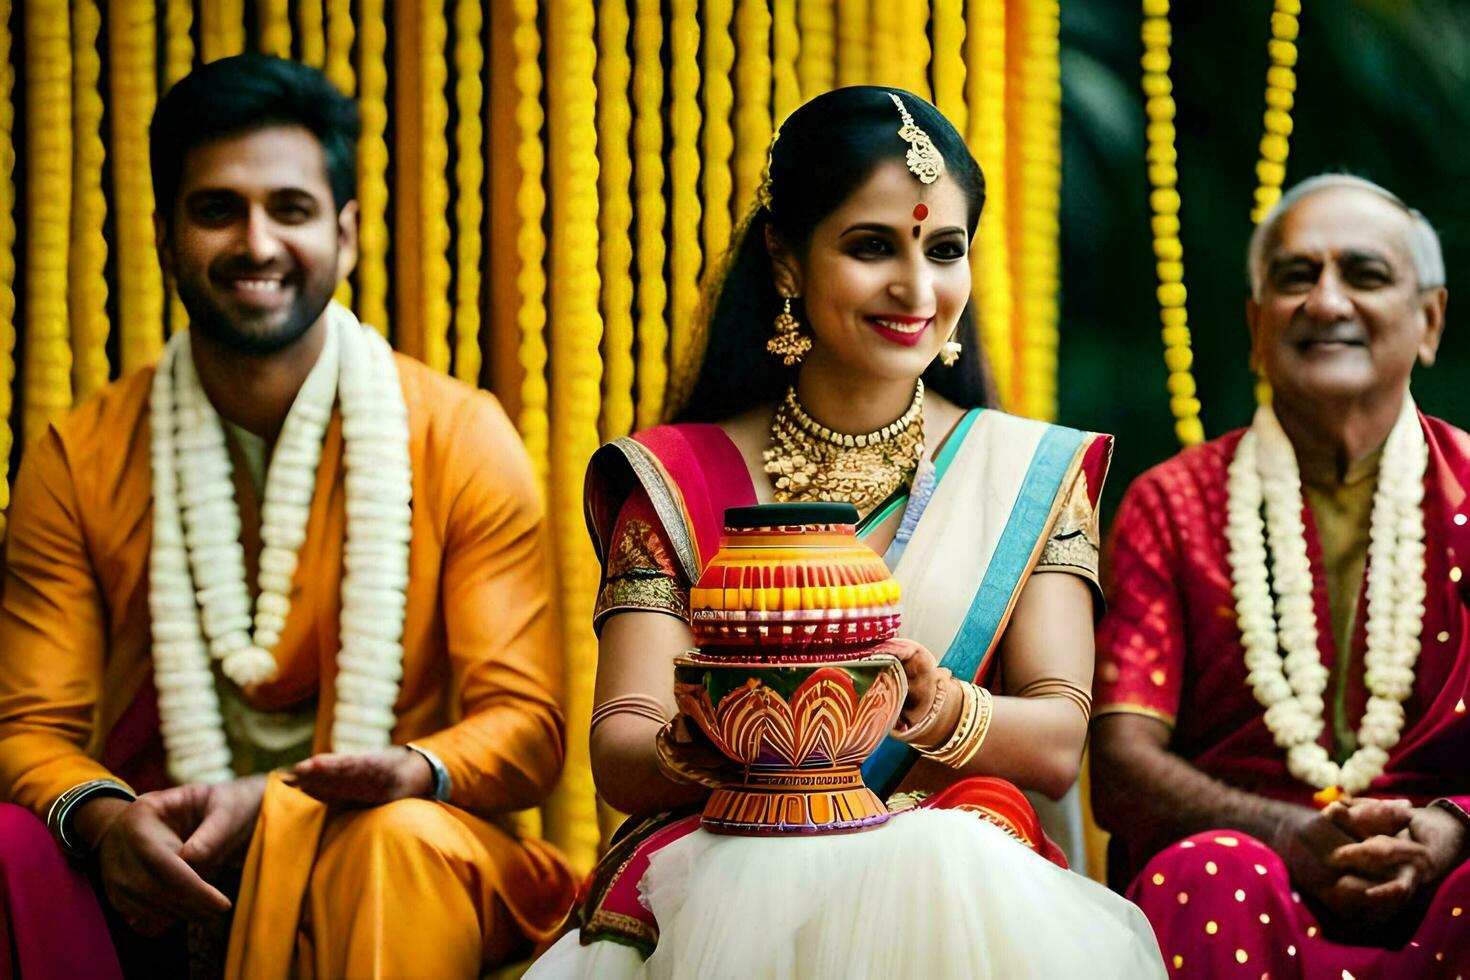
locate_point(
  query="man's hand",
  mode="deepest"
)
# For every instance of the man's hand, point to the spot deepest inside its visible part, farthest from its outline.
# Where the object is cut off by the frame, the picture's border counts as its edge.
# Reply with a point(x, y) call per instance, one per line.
point(1354, 878)
point(1306, 841)
point(1409, 849)
point(370, 778)
point(150, 851)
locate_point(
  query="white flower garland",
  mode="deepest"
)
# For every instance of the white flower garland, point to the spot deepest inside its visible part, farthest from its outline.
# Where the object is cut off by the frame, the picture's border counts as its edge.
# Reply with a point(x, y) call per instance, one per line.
point(198, 597)
point(1265, 467)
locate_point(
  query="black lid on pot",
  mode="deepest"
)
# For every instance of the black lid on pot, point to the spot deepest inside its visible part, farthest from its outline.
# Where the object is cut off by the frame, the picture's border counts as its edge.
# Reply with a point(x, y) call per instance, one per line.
point(774, 515)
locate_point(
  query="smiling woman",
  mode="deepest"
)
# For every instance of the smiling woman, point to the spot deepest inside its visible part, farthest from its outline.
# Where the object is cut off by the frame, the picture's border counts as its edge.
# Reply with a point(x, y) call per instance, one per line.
point(825, 380)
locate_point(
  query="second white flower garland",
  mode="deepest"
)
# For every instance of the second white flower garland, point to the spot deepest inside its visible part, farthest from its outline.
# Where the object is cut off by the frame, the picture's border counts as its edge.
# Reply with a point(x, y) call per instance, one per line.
point(1291, 687)
point(198, 596)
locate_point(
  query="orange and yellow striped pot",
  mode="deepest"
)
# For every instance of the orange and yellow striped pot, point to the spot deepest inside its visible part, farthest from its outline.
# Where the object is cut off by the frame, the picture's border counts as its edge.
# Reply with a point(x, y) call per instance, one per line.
point(787, 682)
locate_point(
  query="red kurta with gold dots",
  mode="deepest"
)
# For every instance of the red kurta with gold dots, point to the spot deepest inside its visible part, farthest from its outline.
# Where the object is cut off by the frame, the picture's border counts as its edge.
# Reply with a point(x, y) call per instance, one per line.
point(1169, 648)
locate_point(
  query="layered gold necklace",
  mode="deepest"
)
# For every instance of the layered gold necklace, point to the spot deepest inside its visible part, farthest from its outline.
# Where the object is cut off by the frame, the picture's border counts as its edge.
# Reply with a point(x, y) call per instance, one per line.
point(808, 461)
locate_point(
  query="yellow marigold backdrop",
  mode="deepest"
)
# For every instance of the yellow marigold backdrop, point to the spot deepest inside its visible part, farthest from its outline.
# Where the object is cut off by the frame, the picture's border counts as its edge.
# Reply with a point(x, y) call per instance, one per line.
point(545, 187)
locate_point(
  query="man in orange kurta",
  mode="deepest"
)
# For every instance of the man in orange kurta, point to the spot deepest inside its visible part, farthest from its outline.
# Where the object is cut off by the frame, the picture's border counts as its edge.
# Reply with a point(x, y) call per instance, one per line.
point(396, 862)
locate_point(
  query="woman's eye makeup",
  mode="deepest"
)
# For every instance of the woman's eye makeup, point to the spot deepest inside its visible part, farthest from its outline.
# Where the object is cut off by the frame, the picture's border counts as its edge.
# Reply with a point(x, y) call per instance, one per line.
point(872, 245)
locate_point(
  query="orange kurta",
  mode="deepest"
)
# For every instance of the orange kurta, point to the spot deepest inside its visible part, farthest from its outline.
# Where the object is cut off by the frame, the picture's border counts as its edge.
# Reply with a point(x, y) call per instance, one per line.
point(481, 673)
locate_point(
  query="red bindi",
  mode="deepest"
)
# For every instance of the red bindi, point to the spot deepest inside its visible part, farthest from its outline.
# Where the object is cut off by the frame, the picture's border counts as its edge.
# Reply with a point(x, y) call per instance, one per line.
point(921, 211)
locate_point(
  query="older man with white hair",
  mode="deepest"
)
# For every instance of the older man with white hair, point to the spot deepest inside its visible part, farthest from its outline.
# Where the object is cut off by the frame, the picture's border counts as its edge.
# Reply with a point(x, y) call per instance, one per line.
point(1281, 746)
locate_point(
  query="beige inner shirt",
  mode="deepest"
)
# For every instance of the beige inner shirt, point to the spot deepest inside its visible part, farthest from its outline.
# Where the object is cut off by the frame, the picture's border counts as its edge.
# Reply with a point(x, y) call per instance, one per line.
point(1343, 510)
point(262, 740)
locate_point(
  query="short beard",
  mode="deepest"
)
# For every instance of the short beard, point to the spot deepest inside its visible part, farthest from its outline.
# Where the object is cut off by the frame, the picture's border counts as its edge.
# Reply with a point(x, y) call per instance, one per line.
point(224, 334)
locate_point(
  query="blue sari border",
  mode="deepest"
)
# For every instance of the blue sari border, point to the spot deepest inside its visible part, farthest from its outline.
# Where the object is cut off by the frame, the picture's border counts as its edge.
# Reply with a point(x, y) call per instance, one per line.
point(976, 639)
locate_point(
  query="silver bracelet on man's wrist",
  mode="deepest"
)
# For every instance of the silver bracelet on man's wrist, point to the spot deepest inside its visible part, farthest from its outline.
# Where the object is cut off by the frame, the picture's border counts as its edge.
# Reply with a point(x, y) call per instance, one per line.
point(58, 818)
point(443, 786)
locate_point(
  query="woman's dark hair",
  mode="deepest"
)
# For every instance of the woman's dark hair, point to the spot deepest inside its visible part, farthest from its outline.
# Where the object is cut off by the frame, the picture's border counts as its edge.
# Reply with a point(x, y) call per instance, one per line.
point(244, 93)
point(825, 151)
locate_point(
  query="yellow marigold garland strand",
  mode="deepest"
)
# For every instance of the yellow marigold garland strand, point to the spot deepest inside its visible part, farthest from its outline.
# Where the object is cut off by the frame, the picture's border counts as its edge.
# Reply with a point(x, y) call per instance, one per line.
point(913, 46)
point(718, 152)
point(7, 258)
point(48, 205)
point(949, 62)
point(1162, 157)
point(576, 328)
point(1040, 196)
point(534, 421)
point(87, 263)
point(337, 64)
point(178, 45)
point(337, 61)
point(275, 27)
point(469, 175)
point(753, 107)
point(852, 42)
point(313, 32)
point(785, 48)
point(986, 91)
point(614, 124)
point(178, 61)
point(433, 187)
point(684, 162)
point(816, 63)
point(372, 167)
point(648, 141)
point(222, 28)
point(1280, 96)
point(131, 35)
point(885, 46)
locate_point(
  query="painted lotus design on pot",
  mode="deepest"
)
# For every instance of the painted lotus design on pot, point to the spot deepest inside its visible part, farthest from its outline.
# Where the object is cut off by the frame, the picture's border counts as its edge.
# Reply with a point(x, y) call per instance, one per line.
point(790, 682)
point(792, 717)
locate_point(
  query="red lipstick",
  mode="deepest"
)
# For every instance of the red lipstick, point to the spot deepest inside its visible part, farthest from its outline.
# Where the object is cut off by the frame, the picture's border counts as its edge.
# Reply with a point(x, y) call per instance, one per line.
point(899, 328)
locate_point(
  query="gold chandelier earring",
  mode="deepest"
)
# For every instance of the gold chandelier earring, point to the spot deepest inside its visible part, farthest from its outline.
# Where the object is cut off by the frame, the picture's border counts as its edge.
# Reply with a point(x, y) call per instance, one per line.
point(788, 342)
point(949, 353)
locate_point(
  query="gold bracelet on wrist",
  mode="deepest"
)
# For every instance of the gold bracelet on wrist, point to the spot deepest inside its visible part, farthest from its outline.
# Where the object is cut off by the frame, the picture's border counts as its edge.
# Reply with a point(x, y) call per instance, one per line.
point(969, 711)
point(970, 733)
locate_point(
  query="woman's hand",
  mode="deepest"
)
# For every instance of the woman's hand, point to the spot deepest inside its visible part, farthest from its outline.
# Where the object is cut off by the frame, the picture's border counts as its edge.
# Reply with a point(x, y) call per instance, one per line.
point(686, 755)
point(922, 709)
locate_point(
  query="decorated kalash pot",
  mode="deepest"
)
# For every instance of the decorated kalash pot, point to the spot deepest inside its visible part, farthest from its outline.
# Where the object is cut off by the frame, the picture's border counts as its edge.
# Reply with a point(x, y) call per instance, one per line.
point(786, 681)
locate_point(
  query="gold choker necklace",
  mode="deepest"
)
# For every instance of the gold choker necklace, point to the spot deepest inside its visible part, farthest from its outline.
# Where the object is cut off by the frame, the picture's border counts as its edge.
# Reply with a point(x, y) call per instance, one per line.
point(808, 461)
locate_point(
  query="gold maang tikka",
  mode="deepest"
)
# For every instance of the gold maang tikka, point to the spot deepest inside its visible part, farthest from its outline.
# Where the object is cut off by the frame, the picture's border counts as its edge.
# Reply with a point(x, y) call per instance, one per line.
point(788, 342)
point(923, 158)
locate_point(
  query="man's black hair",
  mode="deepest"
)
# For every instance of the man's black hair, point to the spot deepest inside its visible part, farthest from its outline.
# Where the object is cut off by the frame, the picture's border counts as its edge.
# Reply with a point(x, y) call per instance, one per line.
point(245, 93)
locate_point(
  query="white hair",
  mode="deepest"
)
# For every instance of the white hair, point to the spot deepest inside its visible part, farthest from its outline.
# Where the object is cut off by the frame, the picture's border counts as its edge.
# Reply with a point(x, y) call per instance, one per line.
point(1424, 248)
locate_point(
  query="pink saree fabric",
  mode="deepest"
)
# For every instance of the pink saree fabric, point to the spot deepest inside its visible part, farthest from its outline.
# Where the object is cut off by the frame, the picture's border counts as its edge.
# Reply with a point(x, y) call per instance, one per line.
point(51, 924)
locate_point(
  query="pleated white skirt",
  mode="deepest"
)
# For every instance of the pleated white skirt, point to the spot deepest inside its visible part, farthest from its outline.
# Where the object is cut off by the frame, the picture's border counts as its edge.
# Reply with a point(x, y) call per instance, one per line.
point(932, 893)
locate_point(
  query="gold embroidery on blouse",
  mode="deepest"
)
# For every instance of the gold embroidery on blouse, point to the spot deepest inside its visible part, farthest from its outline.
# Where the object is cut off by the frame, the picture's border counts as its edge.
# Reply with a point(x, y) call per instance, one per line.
point(641, 574)
point(1075, 538)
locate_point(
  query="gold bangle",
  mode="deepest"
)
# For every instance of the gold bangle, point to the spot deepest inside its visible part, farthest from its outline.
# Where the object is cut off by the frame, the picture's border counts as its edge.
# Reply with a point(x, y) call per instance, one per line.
point(673, 767)
point(982, 728)
point(970, 733)
point(969, 712)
